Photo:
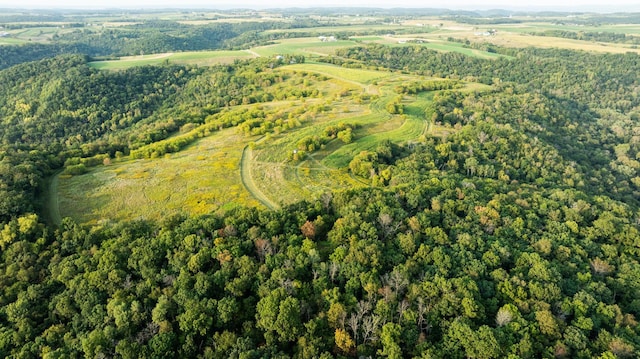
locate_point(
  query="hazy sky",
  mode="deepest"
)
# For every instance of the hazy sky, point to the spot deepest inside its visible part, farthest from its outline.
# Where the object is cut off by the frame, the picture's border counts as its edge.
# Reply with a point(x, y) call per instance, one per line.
point(576, 5)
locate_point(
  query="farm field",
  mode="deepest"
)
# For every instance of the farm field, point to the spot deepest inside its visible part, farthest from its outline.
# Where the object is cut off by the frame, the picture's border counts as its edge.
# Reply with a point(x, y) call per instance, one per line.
point(330, 30)
point(227, 168)
point(436, 44)
point(519, 35)
point(525, 40)
point(298, 46)
point(434, 34)
point(308, 46)
point(11, 41)
point(202, 58)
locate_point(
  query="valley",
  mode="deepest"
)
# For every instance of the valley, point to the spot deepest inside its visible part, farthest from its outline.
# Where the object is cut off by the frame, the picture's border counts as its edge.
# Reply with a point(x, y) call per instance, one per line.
point(319, 182)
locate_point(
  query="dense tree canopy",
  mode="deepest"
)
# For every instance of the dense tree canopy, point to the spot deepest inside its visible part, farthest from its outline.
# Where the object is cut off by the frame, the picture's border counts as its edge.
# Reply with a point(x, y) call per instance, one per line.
point(514, 234)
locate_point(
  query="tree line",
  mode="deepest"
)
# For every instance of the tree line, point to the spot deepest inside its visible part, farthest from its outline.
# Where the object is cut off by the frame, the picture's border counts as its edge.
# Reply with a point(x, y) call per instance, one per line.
point(513, 234)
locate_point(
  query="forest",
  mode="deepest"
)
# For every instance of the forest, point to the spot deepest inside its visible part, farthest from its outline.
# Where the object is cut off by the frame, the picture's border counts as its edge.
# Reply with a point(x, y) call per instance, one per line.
point(509, 229)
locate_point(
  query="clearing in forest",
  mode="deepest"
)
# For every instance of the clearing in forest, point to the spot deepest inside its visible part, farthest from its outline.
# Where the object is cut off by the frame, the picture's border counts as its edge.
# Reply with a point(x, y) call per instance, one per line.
point(200, 179)
point(202, 58)
point(299, 157)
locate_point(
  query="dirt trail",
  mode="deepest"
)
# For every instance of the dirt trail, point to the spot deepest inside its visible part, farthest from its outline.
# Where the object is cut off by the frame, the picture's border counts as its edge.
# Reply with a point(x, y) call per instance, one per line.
point(247, 179)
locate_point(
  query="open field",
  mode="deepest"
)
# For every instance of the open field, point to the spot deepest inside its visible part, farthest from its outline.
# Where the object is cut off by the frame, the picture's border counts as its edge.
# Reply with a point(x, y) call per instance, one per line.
point(191, 58)
point(434, 34)
point(538, 26)
point(518, 39)
point(525, 40)
point(303, 46)
point(518, 35)
point(359, 76)
point(333, 30)
point(11, 41)
point(227, 168)
point(201, 179)
point(437, 44)
point(40, 34)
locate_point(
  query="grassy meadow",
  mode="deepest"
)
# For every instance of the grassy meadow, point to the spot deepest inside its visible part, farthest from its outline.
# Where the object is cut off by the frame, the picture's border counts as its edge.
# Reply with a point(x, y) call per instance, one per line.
point(305, 46)
point(227, 168)
point(200, 179)
point(202, 58)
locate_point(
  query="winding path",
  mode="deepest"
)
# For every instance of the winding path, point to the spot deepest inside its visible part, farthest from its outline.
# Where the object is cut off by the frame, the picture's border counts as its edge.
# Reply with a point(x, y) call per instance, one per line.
point(247, 179)
point(253, 53)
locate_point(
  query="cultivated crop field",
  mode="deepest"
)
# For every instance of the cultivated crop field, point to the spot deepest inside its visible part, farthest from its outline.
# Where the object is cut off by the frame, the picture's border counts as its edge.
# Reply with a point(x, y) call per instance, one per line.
point(520, 35)
point(434, 34)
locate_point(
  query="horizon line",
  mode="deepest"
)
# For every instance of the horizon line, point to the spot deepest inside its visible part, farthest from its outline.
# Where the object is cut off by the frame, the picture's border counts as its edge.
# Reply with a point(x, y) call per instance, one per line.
point(542, 8)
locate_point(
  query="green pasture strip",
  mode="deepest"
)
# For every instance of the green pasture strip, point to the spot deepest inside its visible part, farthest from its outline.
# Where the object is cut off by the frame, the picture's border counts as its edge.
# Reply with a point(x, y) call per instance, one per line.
point(200, 55)
point(360, 76)
point(125, 64)
point(12, 41)
point(330, 30)
point(191, 57)
point(539, 27)
point(367, 38)
point(447, 46)
point(308, 45)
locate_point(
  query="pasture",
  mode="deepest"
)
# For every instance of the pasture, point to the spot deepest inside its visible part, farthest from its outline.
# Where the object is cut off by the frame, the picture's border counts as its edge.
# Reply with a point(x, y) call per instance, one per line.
point(519, 35)
point(11, 41)
point(303, 46)
point(202, 58)
point(201, 179)
point(227, 168)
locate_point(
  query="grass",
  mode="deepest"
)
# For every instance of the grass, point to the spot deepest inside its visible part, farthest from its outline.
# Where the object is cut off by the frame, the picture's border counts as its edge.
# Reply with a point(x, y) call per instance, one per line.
point(202, 179)
point(367, 38)
point(202, 58)
point(437, 44)
point(333, 30)
point(519, 40)
point(517, 36)
point(222, 170)
point(278, 148)
point(630, 29)
point(35, 34)
point(360, 76)
point(11, 41)
point(410, 127)
point(246, 173)
point(289, 182)
point(303, 45)
point(447, 46)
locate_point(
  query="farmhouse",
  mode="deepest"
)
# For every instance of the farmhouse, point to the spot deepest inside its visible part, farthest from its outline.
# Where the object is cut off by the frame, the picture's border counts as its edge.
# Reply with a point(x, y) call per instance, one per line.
point(327, 39)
